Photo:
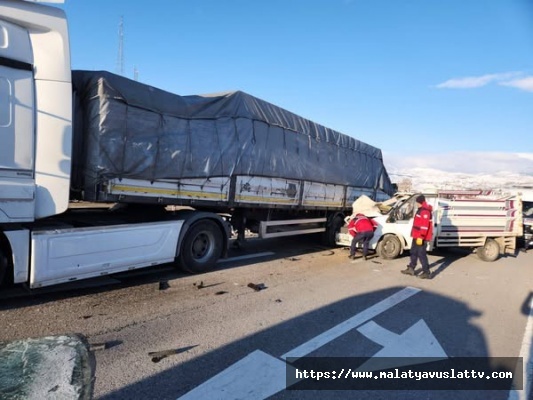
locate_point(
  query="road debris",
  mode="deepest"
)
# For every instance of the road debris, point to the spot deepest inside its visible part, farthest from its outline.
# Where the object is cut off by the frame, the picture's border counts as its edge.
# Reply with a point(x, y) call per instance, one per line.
point(220, 292)
point(257, 287)
point(104, 346)
point(292, 258)
point(97, 346)
point(159, 355)
point(51, 367)
point(164, 285)
point(199, 285)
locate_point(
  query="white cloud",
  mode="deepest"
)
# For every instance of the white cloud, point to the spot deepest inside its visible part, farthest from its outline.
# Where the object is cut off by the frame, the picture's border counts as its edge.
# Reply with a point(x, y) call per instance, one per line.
point(523, 83)
point(471, 82)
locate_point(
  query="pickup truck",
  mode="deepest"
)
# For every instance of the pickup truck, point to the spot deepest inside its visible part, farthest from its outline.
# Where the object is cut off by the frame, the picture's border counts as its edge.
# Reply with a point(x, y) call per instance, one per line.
point(488, 224)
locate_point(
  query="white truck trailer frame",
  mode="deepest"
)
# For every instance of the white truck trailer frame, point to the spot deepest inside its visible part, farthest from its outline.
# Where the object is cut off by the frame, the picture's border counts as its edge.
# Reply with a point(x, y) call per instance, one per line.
point(474, 219)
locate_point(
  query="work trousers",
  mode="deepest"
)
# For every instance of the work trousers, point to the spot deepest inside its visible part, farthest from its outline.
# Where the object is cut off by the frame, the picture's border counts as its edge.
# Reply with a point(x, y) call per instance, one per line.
point(364, 238)
point(418, 252)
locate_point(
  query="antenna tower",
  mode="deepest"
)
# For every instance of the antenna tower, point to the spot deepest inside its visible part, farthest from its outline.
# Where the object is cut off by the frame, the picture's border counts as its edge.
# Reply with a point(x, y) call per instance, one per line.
point(120, 56)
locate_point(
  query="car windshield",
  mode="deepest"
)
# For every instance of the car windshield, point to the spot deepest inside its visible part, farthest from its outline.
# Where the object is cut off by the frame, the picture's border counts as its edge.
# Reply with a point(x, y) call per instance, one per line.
point(527, 208)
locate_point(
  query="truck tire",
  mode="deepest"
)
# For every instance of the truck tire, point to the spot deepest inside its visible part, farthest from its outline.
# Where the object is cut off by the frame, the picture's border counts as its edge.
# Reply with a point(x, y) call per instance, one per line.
point(490, 251)
point(329, 236)
point(4, 265)
point(389, 247)
point(201, 248)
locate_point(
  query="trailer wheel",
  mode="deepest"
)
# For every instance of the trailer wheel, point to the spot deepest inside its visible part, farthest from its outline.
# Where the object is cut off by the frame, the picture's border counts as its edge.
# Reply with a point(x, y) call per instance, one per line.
point(201, 247)
point(490, 251)
point(329, 236)
point(4, 265)
point(389, 247)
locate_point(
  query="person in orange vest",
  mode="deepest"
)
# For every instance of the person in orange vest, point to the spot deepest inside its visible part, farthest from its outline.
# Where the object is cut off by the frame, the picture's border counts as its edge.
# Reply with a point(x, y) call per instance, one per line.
point(361, 228)
point(421, 232)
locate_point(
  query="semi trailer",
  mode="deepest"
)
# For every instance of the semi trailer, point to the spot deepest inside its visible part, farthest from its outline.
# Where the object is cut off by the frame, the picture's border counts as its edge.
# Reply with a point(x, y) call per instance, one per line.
point(101, 174)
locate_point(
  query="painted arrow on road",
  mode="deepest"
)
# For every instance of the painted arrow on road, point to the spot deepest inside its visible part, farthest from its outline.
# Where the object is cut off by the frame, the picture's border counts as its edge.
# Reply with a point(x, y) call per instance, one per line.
point(417, 345)
point(260, 375)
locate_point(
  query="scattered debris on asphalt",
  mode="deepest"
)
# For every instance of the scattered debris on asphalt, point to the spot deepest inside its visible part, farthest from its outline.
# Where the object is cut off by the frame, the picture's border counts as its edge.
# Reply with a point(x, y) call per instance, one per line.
point(159, 355)
point(51, 367)
point(199, 285)
point(278, 300)
point(90, 315)
point(97, 346)
point(220, 292)
point(292, 258)
point(104, 346)
point(257, 287)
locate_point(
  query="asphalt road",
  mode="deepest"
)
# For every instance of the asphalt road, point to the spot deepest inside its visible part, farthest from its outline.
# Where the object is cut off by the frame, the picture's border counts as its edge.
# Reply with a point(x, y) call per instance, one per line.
point(167, 335)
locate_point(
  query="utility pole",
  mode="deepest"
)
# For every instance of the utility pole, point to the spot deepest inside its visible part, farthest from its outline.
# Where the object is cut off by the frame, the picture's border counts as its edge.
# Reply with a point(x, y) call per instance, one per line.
point(120, 55)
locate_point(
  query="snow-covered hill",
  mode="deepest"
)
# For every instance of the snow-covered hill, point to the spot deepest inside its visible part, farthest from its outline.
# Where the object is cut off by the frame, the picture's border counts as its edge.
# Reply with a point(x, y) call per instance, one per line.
point(429, 178)
point(462, 170)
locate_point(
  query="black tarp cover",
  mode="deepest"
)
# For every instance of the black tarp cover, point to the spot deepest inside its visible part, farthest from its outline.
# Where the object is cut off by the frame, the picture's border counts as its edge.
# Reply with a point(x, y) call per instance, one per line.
point(126, 129)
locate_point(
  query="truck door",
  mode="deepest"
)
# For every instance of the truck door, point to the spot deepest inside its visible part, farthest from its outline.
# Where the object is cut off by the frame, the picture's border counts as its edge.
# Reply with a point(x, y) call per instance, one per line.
point(17, 121)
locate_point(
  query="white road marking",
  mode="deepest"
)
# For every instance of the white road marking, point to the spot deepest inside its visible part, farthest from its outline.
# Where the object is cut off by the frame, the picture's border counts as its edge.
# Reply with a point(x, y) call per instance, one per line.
point(256, 376)
point(246, 257)
point(527, 356)
point(417, 345)
point(349, 324)
point(260, 375)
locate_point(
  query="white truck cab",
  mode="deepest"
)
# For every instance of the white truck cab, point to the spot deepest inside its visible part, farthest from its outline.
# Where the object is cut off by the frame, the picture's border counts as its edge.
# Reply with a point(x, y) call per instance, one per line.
point(35, 111)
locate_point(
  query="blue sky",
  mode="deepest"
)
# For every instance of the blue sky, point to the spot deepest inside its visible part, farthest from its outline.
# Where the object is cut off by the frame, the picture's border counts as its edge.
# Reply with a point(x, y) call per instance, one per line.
point(407, 76)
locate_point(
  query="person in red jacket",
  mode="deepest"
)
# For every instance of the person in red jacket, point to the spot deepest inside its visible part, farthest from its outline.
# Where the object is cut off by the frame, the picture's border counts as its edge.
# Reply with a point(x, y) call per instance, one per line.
point(362, 229)
point(421, 233)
